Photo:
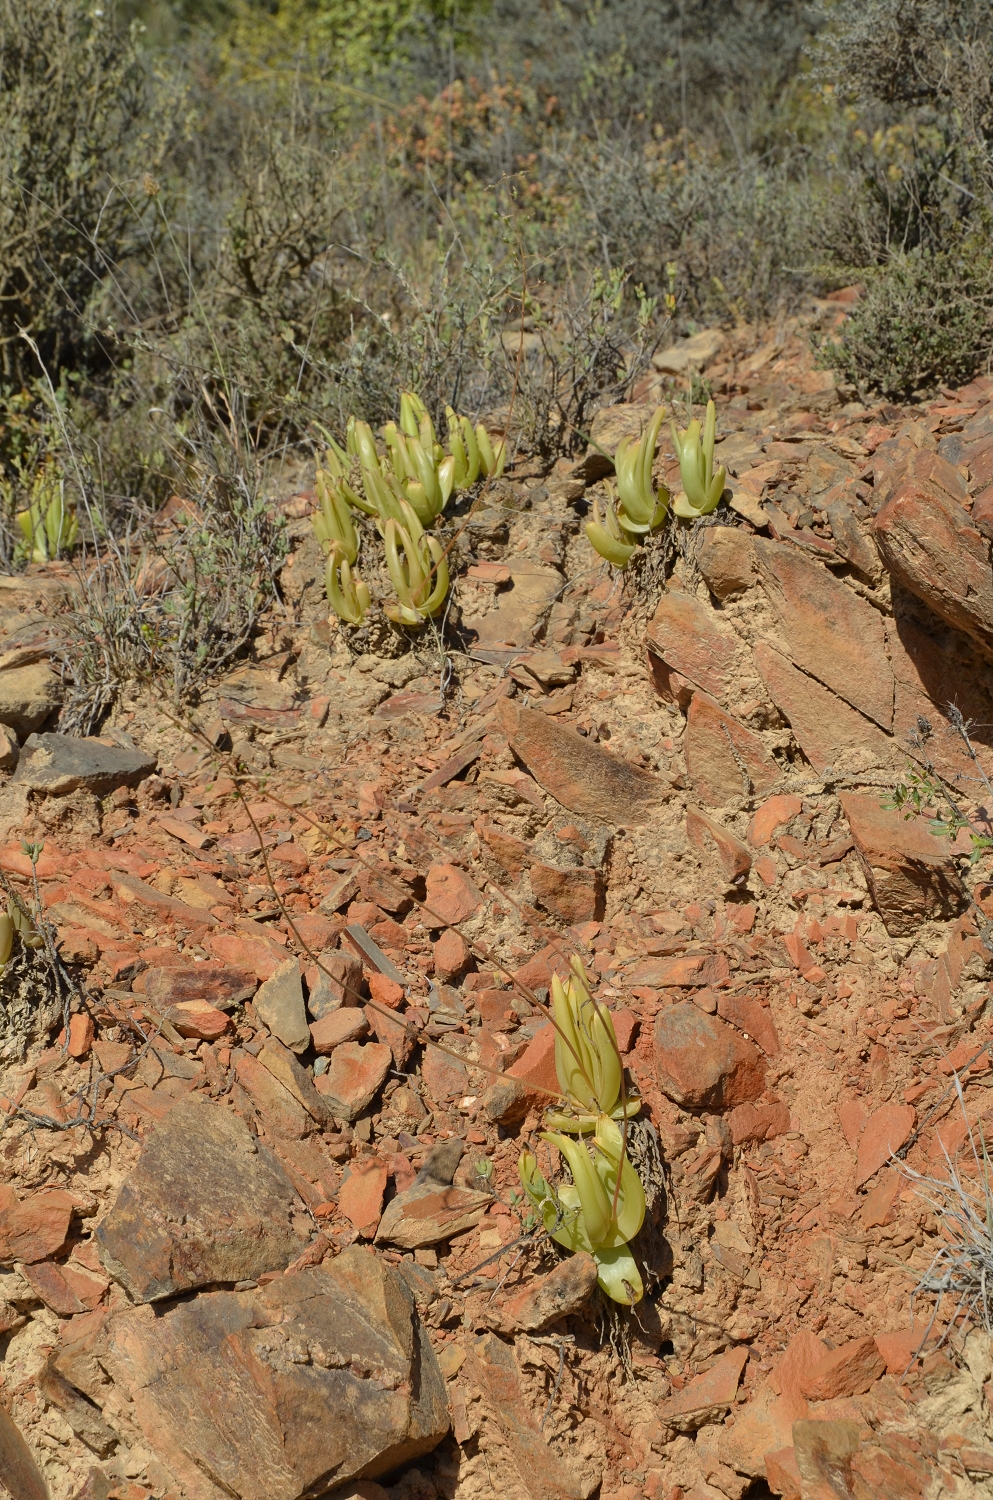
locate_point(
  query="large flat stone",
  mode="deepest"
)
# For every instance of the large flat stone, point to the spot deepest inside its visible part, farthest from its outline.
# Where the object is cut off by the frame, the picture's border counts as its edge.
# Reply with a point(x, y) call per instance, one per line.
point(58, 764)
point(726, 760)
point(206, 1202)
point(694, 641)
point(832, 735)
point(911, 874)
point(583, 777)
point(829, 631)
point(516, 610)
point(931, 547)
point(273, 1394)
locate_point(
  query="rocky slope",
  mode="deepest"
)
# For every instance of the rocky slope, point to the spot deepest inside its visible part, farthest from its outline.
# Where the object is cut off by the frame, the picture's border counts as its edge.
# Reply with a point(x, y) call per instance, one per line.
point(257, 1225)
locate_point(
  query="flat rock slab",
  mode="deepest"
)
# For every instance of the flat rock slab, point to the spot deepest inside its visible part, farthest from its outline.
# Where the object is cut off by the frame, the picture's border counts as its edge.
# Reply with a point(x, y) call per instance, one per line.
point(28, 696)
point(58, 764)
point(583, 777)
point(911, 874)
point(429, 1212)
point(272, 1394)
point(205, 1203)
point(702, 1063)
point(694, 641)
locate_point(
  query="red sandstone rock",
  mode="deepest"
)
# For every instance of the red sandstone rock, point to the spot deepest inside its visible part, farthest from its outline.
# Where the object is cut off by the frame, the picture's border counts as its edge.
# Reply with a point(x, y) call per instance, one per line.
point(694, 641)
point(451, 956)
point(702, 1063)
point(360, 1197)
point(451, 895)
point(910, 872)
point(345, 1025)
point(716, 746)
point(34, 1228)
point(773, 814)
point(758, 1122)
point(930, 545)
point(735, 858)
point(848, 1371)
point(884, 1132)
point(195, 1018)
point(576, 895)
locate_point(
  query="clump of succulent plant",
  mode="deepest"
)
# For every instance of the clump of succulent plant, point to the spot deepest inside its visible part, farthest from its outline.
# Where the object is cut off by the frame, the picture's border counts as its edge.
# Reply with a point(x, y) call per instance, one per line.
point(702, 488)
point(603, 1207)
point(640, 508)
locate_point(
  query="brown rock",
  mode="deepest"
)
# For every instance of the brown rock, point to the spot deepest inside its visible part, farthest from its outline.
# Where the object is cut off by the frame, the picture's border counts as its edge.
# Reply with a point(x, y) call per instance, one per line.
point(360, 1197)
point(706, 1396)
point(444, 1077)
point(562, 1292)
point(924, 666)
point(850, 541)
point(735, 858)
point(716, 748)
point(282, 1113)
point(925, 467)
point(575, 895)
point(931, 547)
point(384, 891)
point(515, 613)
point(544, 1473)
point(773, 814)
point(688, 970)
point(829, 732)
point(726, 559)
point(196, 1018)
point(701, 1063)
point(22, 1477)
point(81, 1033)
point(451, 895)
point(206, 1202)
point(296, 1080)
point(610, 424)
point(428, 1213)
point(338, 982)
point(531, 1083)
point(848, 1371)
point(354, 1077)
point(278, 1393)
point(823, 1452)
point(345, 1025)
point(583, 777)
point(763, 1423)
point(510, 854)
point(829, 631)
point(803, 1352)
point(758, 1122)
point(883, 1133)
point(33, 1228)
point(751, 1017)
point(692, 640)
point(783, 1474)
point(910, 873)
point(451, 955)
point(28, 696)
point(279, 1006)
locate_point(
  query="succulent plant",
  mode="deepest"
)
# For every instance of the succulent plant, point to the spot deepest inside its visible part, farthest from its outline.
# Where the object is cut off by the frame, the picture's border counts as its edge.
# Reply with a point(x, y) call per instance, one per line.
point(419, 576)
point(593, 1212)
point(606, 535)
point(48, 526)
point(640, 509)
point(702, 488)
point(348, 596)
point(333, 522)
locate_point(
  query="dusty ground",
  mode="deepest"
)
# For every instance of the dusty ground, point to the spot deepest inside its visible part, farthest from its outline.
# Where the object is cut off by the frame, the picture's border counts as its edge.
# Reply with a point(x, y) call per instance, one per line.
point(427, 800)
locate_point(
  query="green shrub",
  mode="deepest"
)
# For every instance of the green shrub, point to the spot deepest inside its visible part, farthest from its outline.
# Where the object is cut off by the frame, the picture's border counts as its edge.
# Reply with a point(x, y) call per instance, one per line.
point(924, 321)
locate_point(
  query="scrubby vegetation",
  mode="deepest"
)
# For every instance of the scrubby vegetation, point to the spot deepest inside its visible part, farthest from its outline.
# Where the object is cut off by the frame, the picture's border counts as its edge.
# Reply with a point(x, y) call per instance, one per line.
point(225, 228)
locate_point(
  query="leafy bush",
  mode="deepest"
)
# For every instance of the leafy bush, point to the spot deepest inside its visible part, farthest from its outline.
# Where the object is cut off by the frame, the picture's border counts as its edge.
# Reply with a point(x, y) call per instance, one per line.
point(79, 128)
point(924, 321)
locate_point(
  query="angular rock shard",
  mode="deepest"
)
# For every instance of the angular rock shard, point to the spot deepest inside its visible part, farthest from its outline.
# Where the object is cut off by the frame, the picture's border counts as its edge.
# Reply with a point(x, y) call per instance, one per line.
point(205, 1203)
point(59, 763)
point(911, 874)
point(931, 547)
point(274, 1394)
point(583, 777)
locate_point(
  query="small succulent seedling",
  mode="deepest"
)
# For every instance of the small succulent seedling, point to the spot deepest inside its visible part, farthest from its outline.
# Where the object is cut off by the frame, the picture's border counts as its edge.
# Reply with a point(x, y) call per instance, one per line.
point(641, 508)
point(604, 1205)
point(702, 488)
